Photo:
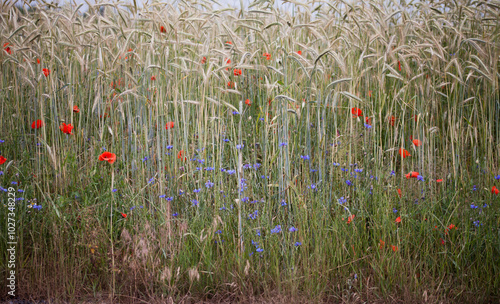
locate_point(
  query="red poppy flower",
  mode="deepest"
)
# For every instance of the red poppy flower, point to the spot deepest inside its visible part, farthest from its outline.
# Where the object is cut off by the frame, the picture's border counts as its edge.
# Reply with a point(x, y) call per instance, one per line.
point(369, 93)
point(37, 124)
point(46, 72)
point(392, 120)
point(108, 156)
point(237, 72)
point(7, 48)
point(350, 218)
point(230, 84)
point(66, 128)
point(203, 60)
point(38, 60)
point(124, 215)
point(399, 66)
point(451, 226)
point(2, 160)
point(399, 193)
point(404, 153)
point(382, 243)
point(229, 42)
point(412, 174)
point(356, 112)
point(162, 29)
point(442, 241)
point(181, 154)
point(248, 102)
point(153, 78)
point(438, 180)
point(169, 125)
point(228, 61)
point(299, 52)
point(494, 190)
point(368, 120)
point(398, 220)
point(417, 142)
point(75, 109)
point(130, 50)
point(267, 55)
point(394, 248)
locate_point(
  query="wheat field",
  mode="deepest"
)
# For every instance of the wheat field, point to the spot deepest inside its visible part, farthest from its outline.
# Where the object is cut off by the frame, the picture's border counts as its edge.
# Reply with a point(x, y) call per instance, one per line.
point(333, 151)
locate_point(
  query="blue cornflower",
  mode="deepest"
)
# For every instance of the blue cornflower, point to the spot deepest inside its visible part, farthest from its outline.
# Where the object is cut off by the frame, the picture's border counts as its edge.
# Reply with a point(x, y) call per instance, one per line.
point(348, 182)
point(342, 200)
point(2, 141)
point(261, 119)
point(394, 210)
point(297, 244)
point(162, 196)
point(169, 147)
point(1, 172)
point(312, 186)
point(114, 190)
point(196, 190)
point(257, 232)
point(472, 206)
point(209, 184)
point(175, 214)
point(497, 177)
point(313, 170)
point(209, 169)
point(170, 198)
point(305, 157)
point(259, 249)
point(474, 188)
point(256, 166)
point(218, 231)
point(247, 166)
point(226, 139)
point(239, 147)
point(282, 144)
point(420, 178)
point(336, 164)
point(195, 203)
point(201, 161)
point(276, 229)
point(13, 183)
point(358, 170)
point(392, 173)
point(222, 170)
point(292, 229)
point(283, 203)
point(20, 199)
point(20, 190)
point(236, 112)
point(230, 172)
point(151, 180)
point(368, 126)
point(38, 207)
point(181, 192)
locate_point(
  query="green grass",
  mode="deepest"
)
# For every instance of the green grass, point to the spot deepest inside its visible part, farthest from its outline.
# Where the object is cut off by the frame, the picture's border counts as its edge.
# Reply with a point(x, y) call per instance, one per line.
point(433, 68)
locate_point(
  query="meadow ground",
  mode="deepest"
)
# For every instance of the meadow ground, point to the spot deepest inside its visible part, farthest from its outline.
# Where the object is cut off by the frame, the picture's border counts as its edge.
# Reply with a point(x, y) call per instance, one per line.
point(336, 152)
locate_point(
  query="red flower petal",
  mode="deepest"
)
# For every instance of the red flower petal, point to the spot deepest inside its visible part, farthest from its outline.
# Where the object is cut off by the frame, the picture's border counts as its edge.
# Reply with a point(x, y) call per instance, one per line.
point(2, 160)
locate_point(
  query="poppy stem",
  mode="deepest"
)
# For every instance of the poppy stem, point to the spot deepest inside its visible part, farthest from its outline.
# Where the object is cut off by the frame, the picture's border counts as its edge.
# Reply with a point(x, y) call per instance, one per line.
point(111, 234)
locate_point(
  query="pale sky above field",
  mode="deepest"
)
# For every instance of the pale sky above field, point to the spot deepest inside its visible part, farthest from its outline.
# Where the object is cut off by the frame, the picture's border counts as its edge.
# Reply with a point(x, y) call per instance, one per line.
point(223, 3)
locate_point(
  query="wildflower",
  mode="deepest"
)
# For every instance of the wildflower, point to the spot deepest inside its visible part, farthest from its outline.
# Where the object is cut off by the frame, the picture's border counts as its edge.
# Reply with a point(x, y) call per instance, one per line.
point(209, 184)
point(124, 215)
point(417, 142)
point(283, 202)
point(399, 193)
point(420, 178)
point(299, 52)
point(75, 109)
point(180, 154)
point(494, 190)
point(66, 128)
point(342, 200)
point(114, 190)
point(196, 190)
point(203, 60)
point(282, 144)
point(169, 125)
point(230, 84)
point(368, 121)
point(239, 147)
point(46, 72)
point(398, 220)
point(267, 55)
point(438, 180)
point(350, 218)
point(392, 173)
point(38, 60)
point(404, 153)
point(195, 202)
point(399, 65)
point(175, 214)
point(38, 207)
point(392, 120)
point(237, 72)
point(368, 126)
point(229, 42)
point(451, 226)
point(276, 229)
point(248, 102)
point(2, 160)
point(497, 177)
point(305, 157)
point(153, 78)
point(162, 29)
point(108, 156)
point(394, 248)
point(348, 182)
point(442, 241)
point(6, 48)
point(292, 229)
point(356, 112)
point(259, 249)
point(297, 244)
point(382, 243)
point(37, 124)
point(412, 174)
